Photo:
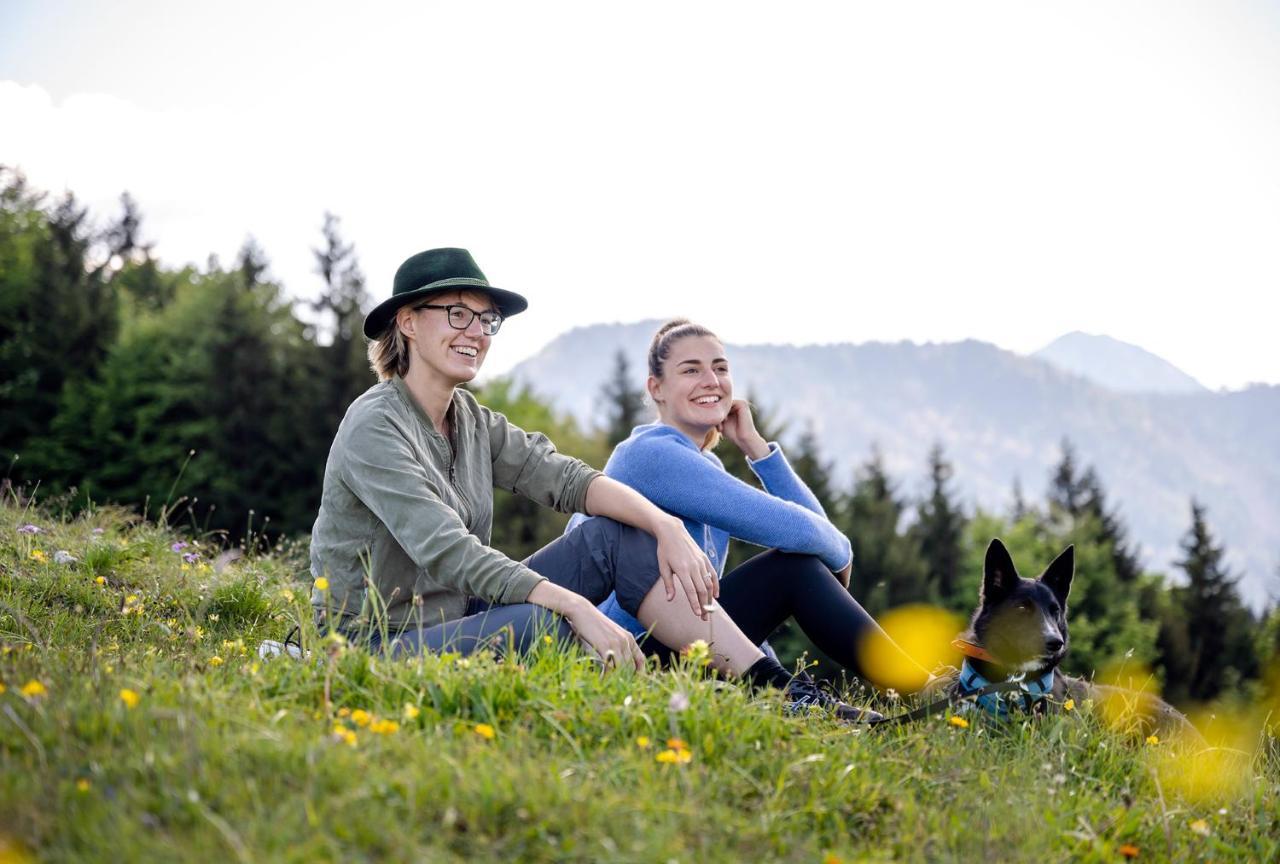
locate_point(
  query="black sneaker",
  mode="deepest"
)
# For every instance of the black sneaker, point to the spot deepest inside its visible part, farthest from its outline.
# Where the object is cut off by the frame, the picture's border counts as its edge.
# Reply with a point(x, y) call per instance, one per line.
point(805, 694)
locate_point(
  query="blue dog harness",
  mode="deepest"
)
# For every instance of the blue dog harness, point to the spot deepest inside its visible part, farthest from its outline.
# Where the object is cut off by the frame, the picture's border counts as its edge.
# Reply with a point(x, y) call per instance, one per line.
point(999, 704)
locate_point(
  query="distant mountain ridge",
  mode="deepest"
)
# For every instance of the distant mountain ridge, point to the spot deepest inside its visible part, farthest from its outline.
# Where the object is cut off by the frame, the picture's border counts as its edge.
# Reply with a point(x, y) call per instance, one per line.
point(1116, 365)
point(1001, 418)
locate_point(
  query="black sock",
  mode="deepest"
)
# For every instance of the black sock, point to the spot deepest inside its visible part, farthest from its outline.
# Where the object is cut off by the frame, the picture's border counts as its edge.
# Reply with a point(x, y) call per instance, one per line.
point(767, 672)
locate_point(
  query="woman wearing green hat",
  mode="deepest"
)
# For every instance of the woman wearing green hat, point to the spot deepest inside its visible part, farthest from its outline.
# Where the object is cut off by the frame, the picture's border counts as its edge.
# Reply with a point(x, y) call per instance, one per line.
point(401, 541)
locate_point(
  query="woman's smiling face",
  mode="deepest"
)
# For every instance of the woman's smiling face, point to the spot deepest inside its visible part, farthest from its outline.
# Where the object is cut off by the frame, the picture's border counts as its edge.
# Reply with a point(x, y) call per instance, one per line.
point(695, 391)
point(453, 355)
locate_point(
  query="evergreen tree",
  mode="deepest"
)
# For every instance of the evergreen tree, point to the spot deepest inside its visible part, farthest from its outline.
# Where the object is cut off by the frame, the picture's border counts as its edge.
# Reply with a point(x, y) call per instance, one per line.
point(888, 569)
point(939, 529)
point(58, 319)
point(624, 402)
point(807, 461)
point(1220, 630)
point(1067, 493)
point(341, 308)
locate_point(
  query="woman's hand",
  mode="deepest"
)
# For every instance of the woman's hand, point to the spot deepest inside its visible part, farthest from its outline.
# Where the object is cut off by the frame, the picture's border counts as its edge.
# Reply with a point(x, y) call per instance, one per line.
point(680, 560)
point(613, 645)
point(740, 428)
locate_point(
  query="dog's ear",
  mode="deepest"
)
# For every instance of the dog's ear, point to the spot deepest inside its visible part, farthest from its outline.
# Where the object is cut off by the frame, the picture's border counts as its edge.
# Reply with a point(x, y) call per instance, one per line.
point(1057, 576)
point(999, 576)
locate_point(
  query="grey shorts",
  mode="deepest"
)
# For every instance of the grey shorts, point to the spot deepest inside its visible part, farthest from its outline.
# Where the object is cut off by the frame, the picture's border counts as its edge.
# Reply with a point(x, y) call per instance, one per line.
point(596, 558)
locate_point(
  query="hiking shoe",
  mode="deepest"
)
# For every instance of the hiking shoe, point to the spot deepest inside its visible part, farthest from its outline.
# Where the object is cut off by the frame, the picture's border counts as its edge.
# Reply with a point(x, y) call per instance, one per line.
point(805, 694)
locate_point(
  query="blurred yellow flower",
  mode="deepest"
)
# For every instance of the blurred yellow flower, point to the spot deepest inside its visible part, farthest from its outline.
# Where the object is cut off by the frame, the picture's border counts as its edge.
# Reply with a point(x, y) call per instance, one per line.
point(83, 784)
point(344, 712)
point(1128, 850)
point(215, 661)
point(642, 742)
point(342, 733)
point(2, 688)
point(287, 595)
point(322, 584)
point(1153, 740)
point(674, 757)
point(411, 712)
point(33, 689)
point(130, 698)
point(547, 639)
point(384, 727)
point(485, 731)
point(101, 580)
point(958, 722)
point(1200, 827)
point(38, 555)
point(677, 744)
point(1069, 705)
point(361, 717)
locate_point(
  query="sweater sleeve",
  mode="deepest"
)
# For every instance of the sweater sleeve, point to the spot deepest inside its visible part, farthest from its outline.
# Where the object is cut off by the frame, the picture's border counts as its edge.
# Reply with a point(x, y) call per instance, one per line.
point(528, 464)
point(379, 468)
point(679, 480)
point(781, 480)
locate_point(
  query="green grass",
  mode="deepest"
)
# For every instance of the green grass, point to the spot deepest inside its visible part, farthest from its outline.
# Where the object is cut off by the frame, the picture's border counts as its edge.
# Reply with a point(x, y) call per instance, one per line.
point(230, 758)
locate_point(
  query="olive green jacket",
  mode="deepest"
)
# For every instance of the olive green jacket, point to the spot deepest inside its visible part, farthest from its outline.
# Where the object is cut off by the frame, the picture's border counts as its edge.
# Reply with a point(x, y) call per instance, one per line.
point(414, 511)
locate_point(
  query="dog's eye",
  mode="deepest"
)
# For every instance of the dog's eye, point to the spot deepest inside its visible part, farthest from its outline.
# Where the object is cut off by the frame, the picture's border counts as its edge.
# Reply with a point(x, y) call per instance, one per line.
point(1054, 609)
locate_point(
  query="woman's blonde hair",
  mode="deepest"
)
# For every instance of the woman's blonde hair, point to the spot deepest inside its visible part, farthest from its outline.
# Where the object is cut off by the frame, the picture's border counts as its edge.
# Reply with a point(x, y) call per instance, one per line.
point(389, 353)
point(660, 347)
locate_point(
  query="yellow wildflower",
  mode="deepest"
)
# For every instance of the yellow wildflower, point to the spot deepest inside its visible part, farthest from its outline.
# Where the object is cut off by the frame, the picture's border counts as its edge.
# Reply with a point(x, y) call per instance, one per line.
point(33, 689)
point(101, 580)
point(1153, 740)
point(1128, 850)
point(958, 722)
point(643, 742)
point(384, 727)
point(83, 784)
point(677, 744)
point(2, 688)
point(1069, 705)
point(287, 595)
point(675, 756)
point(39, 556)
point(342, 733)
point(130, 698)
point(411, 712)
point(547, 639)
point(1200, 827)
point(215, 661)
point(322, 584)
point(485, 731)
point(344, 712)
point(361, 717)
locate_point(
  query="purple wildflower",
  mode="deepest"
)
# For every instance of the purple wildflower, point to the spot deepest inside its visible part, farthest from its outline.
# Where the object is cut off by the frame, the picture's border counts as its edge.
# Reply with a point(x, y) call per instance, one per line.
point(179, 546)
point(29, 529)
point(191, 557)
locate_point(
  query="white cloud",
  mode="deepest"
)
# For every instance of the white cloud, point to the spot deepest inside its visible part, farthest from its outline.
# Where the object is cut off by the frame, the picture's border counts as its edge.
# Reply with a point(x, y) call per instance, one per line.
point(1006, 172)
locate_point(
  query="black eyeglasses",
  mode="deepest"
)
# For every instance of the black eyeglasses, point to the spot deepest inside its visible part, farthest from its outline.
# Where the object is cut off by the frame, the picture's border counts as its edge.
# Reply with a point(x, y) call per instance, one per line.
point(460, 317)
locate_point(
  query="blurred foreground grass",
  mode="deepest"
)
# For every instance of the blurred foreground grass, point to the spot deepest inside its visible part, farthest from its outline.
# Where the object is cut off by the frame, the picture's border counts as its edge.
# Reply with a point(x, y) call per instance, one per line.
point(137, 723)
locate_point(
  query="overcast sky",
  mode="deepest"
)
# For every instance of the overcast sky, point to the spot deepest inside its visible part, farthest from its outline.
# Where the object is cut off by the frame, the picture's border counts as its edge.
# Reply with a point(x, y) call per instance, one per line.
point(800, 172)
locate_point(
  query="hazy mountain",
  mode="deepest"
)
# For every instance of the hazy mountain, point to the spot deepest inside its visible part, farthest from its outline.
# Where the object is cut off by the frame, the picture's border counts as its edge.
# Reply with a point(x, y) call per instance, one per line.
point(1117, 365)
point(1000, 416)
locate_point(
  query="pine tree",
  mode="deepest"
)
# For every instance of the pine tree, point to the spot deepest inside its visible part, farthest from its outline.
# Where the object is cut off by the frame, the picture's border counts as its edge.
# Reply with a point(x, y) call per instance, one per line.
point(341, 309)
point(1219, 628)
point(1066, 490)
point(939, 529)
point(888, 570)
point(624, 402)
point(1113, 531)
point(807, 461)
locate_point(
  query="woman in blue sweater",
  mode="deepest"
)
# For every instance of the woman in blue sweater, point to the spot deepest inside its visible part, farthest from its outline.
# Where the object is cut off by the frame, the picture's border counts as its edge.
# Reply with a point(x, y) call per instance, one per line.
point(805, 574)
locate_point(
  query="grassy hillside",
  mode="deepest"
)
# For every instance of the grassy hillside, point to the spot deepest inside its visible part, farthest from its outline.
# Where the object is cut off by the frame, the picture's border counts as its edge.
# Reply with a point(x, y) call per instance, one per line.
point(137, 723)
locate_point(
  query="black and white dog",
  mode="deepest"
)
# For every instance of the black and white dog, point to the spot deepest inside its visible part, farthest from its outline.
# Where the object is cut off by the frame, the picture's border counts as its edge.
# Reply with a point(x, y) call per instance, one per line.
point(1019, 634)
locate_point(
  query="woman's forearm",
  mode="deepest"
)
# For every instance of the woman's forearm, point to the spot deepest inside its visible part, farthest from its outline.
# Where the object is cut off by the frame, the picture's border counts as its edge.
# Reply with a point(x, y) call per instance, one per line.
point(608, 497)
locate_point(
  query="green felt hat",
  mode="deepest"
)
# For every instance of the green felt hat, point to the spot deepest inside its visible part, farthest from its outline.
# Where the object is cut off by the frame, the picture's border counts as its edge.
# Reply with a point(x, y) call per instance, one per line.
point(438, 270)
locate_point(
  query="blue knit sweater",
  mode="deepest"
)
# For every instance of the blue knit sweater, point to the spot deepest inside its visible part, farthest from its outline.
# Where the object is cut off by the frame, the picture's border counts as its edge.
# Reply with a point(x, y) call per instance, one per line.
point(663, 465)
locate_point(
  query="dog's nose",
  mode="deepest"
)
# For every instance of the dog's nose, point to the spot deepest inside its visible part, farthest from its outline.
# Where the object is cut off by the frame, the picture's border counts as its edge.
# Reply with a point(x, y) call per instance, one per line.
point(1053, 644)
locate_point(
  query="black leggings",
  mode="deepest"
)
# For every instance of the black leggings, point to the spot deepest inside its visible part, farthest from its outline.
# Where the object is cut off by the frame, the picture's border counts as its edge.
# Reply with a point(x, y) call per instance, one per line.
point(774, 586)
